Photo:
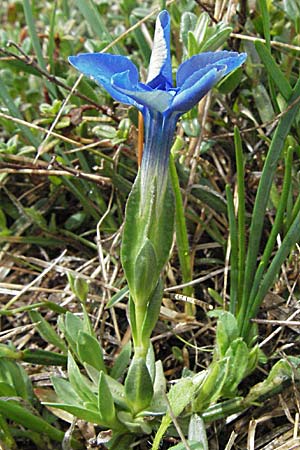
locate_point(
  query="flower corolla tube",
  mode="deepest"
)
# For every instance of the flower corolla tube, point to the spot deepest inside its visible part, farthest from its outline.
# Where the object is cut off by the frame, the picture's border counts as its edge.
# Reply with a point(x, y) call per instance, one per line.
point(160, 102)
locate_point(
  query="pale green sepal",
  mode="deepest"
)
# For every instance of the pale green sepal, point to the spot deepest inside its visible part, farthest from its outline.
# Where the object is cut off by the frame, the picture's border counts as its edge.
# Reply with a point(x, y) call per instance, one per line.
point(138, 386)
point(132, 319)
point(152, 312)
point(136, 228)
point(151, 218)
point(162, 225)
point(146, 273)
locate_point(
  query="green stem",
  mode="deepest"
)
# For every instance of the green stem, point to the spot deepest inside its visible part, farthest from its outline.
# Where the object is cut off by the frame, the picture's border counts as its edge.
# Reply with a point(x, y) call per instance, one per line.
point(140, 346)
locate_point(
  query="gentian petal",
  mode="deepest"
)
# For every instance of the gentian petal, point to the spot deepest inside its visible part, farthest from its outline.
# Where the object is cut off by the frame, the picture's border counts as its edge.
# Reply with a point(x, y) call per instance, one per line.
point(231, 60)
point(141, 94)
point(101, 67)
point(160, 67)
point(196, 87)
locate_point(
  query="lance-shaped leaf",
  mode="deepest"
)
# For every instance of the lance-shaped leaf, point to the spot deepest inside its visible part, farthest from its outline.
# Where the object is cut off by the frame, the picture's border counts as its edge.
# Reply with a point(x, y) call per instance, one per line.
point(106, 405)
point(238, 356)
point(90, 351)
point(211, 388)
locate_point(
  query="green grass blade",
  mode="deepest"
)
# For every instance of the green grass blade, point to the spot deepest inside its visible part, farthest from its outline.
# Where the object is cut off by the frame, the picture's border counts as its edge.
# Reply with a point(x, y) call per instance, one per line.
point(95, 21)
point(273, 70)
point(233, 232)
point(265, 21)
point(36, 43)
point(143, 45)
point(21, 415)
point(274, 231)
point(10, 105)
point(181, 236)
point(241, 211)
point(291, 238)
point(51, 39)
point(262, 198)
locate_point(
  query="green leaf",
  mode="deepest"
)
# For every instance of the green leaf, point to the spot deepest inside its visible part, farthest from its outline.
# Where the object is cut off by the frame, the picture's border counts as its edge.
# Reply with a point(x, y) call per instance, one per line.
point(14, 111)
point(158, 404)
point(187, 23)
point(14, 375)
point(36, 43)
point(211, 388)
point(118, 297)
point(260, 206)
point(141, 41)
point(138, 386)
point(81, 289)
point(193, 47)
point(89, 10)
point(79, 412)
point(218, 38)
point(231, 82)
point(89, 351)
point(279, 373)
point(46, 331)
point(106, 405)
point(263, 102)
point(79, 382)
point(273, 70)
point(118, 392)
point(179, 396)
point(227, 330)
point(7, 390)
point(193, 445)
point(22, 415)
point(72, 326)
point(238, 357)
point(197, 431)
point(65, 392)
point(121, 362)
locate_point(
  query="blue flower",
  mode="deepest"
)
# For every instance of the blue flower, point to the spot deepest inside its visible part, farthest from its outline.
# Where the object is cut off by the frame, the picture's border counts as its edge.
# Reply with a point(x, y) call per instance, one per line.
point(160, 102)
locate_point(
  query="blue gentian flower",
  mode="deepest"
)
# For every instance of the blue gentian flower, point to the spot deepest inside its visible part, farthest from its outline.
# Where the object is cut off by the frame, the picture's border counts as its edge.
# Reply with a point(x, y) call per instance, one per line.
point(160, 102)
